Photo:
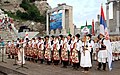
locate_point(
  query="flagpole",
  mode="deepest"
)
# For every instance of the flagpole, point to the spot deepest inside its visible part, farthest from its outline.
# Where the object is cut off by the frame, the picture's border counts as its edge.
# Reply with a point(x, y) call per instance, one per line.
point(107, 16)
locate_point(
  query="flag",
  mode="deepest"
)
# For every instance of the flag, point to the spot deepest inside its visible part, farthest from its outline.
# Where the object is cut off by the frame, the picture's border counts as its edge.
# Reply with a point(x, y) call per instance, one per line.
point(93, 32)
point(88, 26)
point(104, 31)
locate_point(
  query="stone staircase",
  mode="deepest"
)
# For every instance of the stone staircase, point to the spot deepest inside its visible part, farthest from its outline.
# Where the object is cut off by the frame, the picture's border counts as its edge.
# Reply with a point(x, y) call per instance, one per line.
point(7, 35)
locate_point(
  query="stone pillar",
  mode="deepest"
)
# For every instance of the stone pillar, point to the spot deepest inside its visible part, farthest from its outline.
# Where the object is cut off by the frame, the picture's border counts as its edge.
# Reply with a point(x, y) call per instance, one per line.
point(117, 18)
point(63, 22)
point(47, 24)
point(71, 25)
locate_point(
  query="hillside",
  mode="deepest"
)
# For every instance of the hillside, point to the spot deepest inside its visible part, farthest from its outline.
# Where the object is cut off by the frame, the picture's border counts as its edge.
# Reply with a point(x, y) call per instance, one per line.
point(25, 12)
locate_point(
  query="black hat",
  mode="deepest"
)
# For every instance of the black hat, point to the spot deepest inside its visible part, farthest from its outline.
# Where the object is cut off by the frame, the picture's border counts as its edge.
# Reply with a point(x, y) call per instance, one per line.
point(89, 35)
point(52, 36)
point(39, 38)
point(61, 36)
point(70, 35)
point(77, 35)
point(47, 36)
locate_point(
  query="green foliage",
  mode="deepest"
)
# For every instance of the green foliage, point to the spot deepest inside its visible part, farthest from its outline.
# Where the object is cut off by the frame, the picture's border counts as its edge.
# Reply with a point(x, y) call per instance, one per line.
point(12, 15)
point(32, 12)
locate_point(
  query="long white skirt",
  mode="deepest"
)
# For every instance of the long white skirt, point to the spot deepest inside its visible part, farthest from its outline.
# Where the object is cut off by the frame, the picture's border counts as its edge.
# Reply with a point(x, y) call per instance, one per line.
point(85, 59)
point(21, 58)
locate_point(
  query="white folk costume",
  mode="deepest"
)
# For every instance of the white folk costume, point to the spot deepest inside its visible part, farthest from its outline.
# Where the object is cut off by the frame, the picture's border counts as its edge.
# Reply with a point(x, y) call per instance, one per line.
point(116, 50)
point(85, 55)
point(12, 49)
point(21, 54)
point(102, 54)
point(113, 50)
point(27, 49)
point(64, 53)
point(71, 49)
point(119, 50)
point(48, 51)
point(30, 53)
point(95, 50)
point(56, 56)
point(8, 49)
point(41, 50)
point(60, 50)
point(75, 53)
point(35, 50)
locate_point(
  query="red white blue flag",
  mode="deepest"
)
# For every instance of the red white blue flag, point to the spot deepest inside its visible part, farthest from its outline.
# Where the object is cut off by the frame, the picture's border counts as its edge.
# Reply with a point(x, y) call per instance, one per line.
point(104, 31)
point(103, 25)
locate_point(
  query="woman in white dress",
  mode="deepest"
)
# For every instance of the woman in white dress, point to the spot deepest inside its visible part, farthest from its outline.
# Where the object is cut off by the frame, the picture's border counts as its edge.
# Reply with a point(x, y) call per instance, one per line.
point(85, 55)
point(21, 59)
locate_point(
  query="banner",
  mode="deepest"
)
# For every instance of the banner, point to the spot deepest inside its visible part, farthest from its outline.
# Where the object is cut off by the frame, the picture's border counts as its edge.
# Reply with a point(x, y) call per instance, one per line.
point(56, 21)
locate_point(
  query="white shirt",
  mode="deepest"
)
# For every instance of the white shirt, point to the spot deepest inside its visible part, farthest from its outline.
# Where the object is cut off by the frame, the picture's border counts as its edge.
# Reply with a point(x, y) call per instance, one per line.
point(79, 45)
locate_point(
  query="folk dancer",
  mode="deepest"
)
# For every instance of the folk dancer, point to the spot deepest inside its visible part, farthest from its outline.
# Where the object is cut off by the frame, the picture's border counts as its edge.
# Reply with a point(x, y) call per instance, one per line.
point(85, 54)
point(47, 54)
point(113, 49)
point(76, 52)
point(51, 42)
point(41, 50)
point(92, 44)
point(56, 47)
point(21, 55)
point(35, 50)
point(116, 52)
point(12, 49)
point(30, 52)
point(102, 53)
point(27, 49)
point(64, 53)
point(119, 49)
point(61, 44)
point(95, 50)
point(8, 49)
point(69, 39)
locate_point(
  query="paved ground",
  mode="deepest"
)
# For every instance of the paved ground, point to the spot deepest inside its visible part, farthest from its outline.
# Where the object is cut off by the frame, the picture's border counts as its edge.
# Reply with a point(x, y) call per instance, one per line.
point(43, 69)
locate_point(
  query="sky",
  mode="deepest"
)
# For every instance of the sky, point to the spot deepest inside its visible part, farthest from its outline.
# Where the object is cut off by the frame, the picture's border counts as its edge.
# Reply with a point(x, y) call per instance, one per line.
point(83, 10)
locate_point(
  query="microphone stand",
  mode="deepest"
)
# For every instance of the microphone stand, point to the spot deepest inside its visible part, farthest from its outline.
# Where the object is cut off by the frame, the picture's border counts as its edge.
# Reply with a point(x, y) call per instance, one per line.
point(22, 65)
point(15, 57)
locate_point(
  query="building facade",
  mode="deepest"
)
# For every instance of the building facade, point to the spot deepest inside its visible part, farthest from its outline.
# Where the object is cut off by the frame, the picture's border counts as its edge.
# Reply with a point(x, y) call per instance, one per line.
point(67, 20)
point(114, 24)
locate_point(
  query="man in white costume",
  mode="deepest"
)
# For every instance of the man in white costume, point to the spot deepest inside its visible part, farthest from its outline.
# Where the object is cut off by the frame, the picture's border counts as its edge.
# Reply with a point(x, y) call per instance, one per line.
point(102, 53)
